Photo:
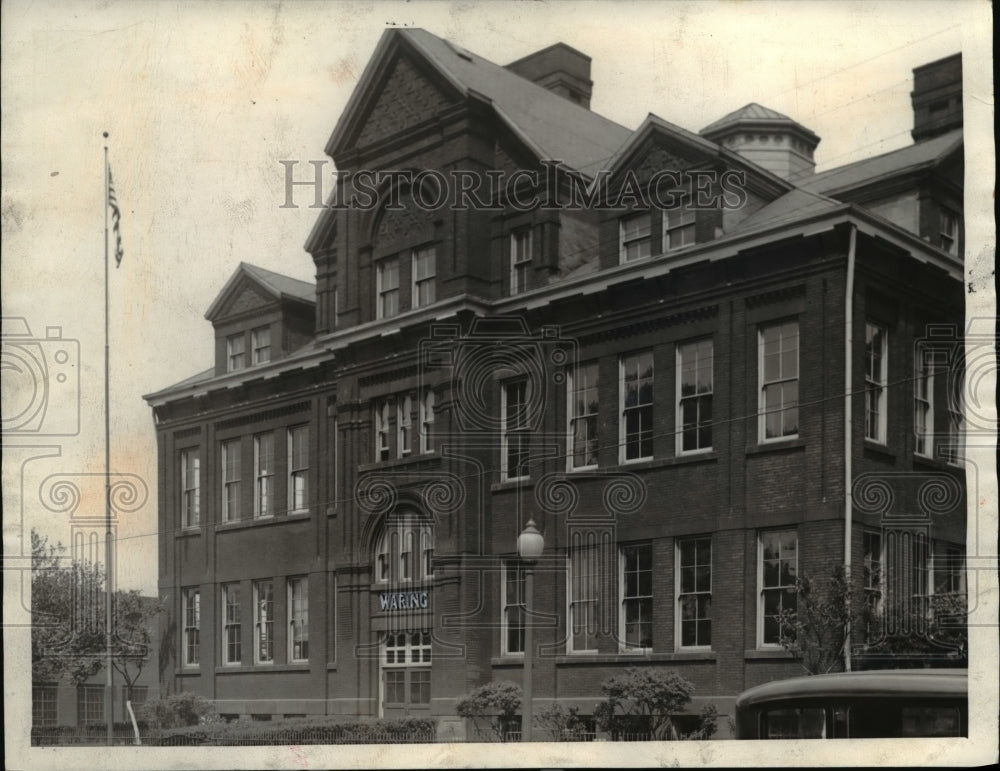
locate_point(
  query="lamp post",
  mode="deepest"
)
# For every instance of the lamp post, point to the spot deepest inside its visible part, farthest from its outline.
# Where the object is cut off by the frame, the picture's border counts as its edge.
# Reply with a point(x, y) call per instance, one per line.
point(530, 544)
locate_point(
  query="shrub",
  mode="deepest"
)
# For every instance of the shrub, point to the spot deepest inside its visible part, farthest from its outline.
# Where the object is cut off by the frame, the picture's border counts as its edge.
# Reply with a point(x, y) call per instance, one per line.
point(564, 725)
point(319, 729)
point(495, 705)
point(178, 709)
point(641, 701)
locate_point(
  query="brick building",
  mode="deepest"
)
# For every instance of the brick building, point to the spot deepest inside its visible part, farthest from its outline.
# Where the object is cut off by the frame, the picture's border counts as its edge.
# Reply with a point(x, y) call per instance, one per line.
point(699, 384)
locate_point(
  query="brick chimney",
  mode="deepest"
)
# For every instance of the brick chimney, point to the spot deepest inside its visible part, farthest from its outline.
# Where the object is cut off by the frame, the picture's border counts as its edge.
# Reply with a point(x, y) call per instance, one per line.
point(937, 97)
point(561, 69)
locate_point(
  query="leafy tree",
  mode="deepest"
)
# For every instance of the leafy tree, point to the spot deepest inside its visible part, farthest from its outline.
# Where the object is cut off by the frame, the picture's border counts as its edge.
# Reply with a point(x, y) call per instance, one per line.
point(642, 701)
point(563, 725)
point(816, 631)
point(494, 704)
point(135, 618)
point(178, 710)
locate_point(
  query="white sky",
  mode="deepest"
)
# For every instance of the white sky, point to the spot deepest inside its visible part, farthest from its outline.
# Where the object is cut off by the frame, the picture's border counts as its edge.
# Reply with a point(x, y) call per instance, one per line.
point(203, 99)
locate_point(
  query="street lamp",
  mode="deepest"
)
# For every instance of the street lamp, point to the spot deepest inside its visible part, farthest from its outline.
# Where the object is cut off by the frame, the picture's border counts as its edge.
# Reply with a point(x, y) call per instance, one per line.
point(530, 544)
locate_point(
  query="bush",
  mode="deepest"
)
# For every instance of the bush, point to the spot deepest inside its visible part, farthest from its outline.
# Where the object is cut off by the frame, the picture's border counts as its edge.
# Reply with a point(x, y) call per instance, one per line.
point(565, 725)
point(178, 709)
point(494, 704)
point(320, 729)
point(640, 704)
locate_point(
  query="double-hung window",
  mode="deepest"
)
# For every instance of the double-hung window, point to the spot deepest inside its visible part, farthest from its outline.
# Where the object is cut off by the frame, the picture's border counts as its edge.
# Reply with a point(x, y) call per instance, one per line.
point(779, 381)
point(520, 260)
point(923, 402)
point(89, 704)
point(424, 276)
point(298, 619)
point(954, 450)
point(263, 622)
point(876, 381)
point(231, 457)
point(236, 356)
point(514, 425)
point(387, 287)
point(584, 595)
point(404, 425)
point(695, 387)
point(636, 620)
point(678, 229)
point(583, 404)
point(949, 231)
point(263, 472)
point(636, 407)
point(512, 602)
point(777, 573)
point(694, 592)
point(382, 431)
point(634, 237)
point(191, 612)
point(232, 642)
point(298, 469)
point(260, 342)
point(426, 421)
point(43, 706)
point(872, 577)
point(190, 464)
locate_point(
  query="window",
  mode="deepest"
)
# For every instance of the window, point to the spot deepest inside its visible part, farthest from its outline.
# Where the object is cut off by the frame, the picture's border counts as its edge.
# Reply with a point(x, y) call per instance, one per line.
point(424, 278)
point(779, 381)
point(778, 568)
point(636, 429)
point(406, 556)
point(190, 488)
point(954, 450)
point(520, 260)
point(427, 552)
point(191, 612)
point(513, 435)
point(298, 468)
point(232, 645)
point(260, 342)
point(231, 480)
point(949, 231)
point(43, 706)
point(404, 552)
point(634, 237)
point(89, 704)
point(512, 603)
point(583, 417)
point(694, 386)
point(876, 381)
point(584, 582)
point(263, 622)
point(383, 552)
point(408, 648)
point(678, 229)
point(873, 560)
point(387, 281)
point(694, 592)
point(298, 619)
point(637, 596)
point(137, 694)
point(406, 660)
point(404, 424)
point(382, 431)
point(949, 568)
point(263, 471)
point(236, 357)
point(920, 578)
point(426, 421)
point(923, 403)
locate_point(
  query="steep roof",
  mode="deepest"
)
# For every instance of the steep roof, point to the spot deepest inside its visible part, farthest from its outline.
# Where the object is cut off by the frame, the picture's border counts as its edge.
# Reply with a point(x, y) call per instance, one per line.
point(757, 115)
point(551, 125)
point(911, 158)
point(279, 286)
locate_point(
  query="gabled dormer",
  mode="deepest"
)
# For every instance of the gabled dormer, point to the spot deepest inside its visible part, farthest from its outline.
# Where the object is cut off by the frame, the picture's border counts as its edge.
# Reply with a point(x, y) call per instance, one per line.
point(260, 316)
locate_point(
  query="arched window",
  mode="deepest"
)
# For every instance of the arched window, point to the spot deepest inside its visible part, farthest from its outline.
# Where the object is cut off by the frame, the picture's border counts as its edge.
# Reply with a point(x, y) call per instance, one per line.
point(404, 551)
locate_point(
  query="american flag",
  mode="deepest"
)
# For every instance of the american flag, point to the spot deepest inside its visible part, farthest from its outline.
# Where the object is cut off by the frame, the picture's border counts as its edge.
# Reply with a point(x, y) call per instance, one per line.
point(116, 216)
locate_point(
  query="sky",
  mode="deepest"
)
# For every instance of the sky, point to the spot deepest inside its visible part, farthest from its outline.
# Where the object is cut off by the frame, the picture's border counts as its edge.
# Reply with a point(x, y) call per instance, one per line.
point(202, 100)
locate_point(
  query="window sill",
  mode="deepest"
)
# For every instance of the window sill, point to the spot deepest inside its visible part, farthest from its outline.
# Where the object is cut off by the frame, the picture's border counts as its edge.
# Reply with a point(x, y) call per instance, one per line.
point(677, 460)
point(768, 653)
point(626, 658)
point(936, 463)
point(188, 532)
point(785, 445)
point(508, 660)
point(242, 524)
point(255, 668)
point(878, 450)
point(512, 484)
point(411, 459)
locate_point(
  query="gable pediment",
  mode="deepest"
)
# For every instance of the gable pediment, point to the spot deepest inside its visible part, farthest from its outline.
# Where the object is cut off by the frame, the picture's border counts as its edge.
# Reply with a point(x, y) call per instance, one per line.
point(405, 98)
point(245, 297)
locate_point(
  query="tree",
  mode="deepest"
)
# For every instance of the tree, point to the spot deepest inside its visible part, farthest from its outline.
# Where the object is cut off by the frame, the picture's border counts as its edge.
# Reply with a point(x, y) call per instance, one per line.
point(496, 703)
point(135, 618)
point(817, 630)
point(643, 701)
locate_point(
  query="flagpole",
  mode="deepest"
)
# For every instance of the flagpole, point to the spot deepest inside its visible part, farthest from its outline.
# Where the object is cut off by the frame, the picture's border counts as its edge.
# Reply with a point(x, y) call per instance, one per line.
point(110, 700)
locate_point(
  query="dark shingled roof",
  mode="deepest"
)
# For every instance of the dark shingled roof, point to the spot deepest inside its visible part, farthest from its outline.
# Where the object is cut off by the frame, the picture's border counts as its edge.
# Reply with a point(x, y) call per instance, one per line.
point(281, 285)
point(749, 112)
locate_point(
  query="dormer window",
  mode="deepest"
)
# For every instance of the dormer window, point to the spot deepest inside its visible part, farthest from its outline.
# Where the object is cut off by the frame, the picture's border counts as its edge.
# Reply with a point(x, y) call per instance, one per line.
point(678, 229)
point(236, 356)
point(634, 237)
point(424, 276)
point(520, 260)
point(387, 287)
point(949, 231)
point(260, 342)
